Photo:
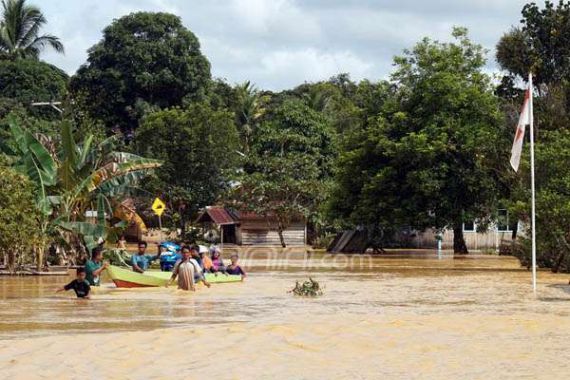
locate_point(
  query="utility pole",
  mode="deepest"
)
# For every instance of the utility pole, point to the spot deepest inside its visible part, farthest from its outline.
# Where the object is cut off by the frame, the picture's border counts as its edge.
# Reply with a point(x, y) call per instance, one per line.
point(53, 105)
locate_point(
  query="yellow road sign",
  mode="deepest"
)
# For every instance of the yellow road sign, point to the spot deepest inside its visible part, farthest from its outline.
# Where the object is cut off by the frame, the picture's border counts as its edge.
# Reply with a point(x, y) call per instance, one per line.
point(158, 206)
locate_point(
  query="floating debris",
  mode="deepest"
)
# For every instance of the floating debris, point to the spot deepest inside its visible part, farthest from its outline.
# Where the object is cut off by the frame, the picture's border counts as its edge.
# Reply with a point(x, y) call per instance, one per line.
point(310, 288)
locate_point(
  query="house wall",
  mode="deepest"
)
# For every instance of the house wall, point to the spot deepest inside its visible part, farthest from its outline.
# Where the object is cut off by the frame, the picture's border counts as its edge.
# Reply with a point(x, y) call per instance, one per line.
point(262, 233)
point(491, 239)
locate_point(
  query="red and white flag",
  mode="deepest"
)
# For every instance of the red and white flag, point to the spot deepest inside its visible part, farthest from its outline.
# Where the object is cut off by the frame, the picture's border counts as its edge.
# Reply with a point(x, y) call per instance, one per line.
point(524, 120)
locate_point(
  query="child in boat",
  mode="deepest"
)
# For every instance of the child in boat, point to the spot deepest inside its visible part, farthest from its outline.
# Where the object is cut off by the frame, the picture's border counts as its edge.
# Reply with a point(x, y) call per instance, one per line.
point(206, 261)
point(122, 243)
point(235, 268)
point(217, 261)
point(185, 271)
point(79, 285)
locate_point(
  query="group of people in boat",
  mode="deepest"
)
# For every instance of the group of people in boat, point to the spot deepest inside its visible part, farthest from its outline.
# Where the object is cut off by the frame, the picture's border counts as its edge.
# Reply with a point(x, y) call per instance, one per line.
point(190, 269)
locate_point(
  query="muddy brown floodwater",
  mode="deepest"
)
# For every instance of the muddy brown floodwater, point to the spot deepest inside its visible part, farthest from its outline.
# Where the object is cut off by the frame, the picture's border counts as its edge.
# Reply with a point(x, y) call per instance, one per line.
point(404, 315)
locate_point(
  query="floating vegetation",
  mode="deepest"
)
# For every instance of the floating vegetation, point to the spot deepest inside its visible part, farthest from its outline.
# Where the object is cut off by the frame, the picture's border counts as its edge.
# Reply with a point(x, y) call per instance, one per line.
point(309, 288)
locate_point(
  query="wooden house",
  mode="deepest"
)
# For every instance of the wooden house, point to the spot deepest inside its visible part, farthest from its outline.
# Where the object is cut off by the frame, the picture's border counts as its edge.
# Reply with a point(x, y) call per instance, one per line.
point(247, 228)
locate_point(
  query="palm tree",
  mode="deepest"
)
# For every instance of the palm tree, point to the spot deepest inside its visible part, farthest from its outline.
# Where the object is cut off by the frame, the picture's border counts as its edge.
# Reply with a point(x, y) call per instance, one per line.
point(20, 26)
point(251, 107)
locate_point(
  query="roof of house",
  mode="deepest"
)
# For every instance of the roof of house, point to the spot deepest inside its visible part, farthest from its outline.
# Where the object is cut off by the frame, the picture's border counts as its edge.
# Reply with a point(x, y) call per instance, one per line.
point(218, 215)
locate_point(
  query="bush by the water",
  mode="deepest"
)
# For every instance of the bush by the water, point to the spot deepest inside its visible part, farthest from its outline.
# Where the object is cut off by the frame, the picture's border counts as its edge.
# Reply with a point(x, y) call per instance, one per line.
point(309, 288)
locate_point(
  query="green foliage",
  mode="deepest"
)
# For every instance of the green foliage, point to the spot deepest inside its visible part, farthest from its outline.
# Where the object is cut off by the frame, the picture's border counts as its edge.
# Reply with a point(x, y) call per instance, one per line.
point(541, 44)
point(249, 108)
point(425, 160)
point(20, 31)
point(72, 176)
point(144, 62)
point(27, 80)
point(20, 229)
point(309, 288)
point(552, 202)
point(286, 172)
point(198, 146)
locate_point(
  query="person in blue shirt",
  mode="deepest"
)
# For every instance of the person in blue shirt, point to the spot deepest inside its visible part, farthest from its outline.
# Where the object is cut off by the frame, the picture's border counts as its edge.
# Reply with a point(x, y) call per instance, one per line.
point(140, 261)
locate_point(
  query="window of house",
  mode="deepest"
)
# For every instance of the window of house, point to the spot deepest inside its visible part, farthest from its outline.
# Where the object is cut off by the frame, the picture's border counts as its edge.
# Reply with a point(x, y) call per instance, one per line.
point(503, 221)
point(469, 226)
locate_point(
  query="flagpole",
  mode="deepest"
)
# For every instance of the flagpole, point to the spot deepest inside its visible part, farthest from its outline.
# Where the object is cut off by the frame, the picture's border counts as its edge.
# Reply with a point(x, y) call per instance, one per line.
point(532, 189)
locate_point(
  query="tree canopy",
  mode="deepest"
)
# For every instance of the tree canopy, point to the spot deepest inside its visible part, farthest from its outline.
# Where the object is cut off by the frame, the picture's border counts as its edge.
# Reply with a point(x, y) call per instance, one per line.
point(20, 228)
point(145, 61)
point(26, 81)
point(425, 160)
point(198, 146)
point(287, 169)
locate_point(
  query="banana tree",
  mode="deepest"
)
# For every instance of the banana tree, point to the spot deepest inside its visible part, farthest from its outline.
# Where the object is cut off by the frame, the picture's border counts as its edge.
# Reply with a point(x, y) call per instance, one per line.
point(79, 176)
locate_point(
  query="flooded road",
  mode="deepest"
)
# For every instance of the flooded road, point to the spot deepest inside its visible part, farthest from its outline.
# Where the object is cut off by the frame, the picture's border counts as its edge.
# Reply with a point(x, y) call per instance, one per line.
point(403, 315)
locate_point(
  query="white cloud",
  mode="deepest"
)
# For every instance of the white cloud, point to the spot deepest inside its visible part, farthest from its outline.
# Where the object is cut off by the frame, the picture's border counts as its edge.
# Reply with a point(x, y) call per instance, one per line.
point(290, 68)
point(280, 43)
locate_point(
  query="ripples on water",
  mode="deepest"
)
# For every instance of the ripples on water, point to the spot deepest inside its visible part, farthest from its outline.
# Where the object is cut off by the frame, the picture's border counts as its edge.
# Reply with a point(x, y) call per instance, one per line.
point(403, 284)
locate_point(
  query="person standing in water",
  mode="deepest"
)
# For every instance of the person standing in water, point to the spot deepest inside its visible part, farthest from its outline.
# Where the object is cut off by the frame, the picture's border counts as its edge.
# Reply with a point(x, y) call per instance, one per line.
point(94, 267)
point(185, 271)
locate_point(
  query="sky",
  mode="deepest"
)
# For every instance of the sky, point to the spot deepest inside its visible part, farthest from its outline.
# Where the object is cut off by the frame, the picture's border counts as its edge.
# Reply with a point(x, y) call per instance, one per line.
point(279, 44)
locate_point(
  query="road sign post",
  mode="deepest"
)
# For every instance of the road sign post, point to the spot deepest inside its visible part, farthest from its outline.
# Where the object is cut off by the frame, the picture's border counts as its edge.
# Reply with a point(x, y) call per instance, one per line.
point(158, 207)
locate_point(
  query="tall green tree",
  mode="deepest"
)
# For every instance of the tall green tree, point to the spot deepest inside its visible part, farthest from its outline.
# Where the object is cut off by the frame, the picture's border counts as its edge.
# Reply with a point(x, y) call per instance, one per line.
point(145, 61)
point(28, 80)
point(20, 27)
point(436, 154)
point(287, 171)
point(198, 146)
point(20, 231)
point(250, 107)
point(540, 44)
point(552, 202)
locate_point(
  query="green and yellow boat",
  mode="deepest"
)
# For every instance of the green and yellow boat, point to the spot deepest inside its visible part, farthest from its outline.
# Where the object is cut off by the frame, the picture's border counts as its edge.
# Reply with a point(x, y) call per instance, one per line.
point(126, 278)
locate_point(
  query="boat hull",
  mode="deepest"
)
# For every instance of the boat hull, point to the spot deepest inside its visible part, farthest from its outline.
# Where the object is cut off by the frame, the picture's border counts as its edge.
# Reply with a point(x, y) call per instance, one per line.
point(126, 278)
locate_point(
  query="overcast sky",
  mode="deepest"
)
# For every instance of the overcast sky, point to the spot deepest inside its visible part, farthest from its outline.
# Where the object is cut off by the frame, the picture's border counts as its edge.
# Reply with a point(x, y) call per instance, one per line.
point(279, 44)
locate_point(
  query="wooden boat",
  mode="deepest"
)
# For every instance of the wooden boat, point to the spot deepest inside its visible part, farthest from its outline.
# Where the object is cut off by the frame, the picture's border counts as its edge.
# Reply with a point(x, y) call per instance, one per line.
point(126, 278)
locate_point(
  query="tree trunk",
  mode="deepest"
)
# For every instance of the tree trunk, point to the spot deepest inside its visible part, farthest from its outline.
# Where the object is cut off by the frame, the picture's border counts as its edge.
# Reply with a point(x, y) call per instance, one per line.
point(39, 258)
point(11, 264)
point(558, 262)
point(459, 245)
point(280, 233)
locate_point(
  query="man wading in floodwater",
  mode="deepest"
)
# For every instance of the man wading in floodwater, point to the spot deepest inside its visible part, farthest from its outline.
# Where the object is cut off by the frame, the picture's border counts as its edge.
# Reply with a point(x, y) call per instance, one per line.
point(140, 261)
point(185, 271)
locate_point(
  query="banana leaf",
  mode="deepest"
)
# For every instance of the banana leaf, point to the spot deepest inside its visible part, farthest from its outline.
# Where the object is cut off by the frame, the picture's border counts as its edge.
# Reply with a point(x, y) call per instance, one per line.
point(113, 170)
point(68, 156)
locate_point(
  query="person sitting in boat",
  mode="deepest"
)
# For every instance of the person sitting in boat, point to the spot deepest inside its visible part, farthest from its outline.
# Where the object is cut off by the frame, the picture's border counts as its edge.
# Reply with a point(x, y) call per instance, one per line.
point(217, 261)
point(185, 270)
point(140, 261)
point(199, 270)
point(122, 243)
point(95, 266)
point(80, 285)
point(206, 260)
point(235, 268)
